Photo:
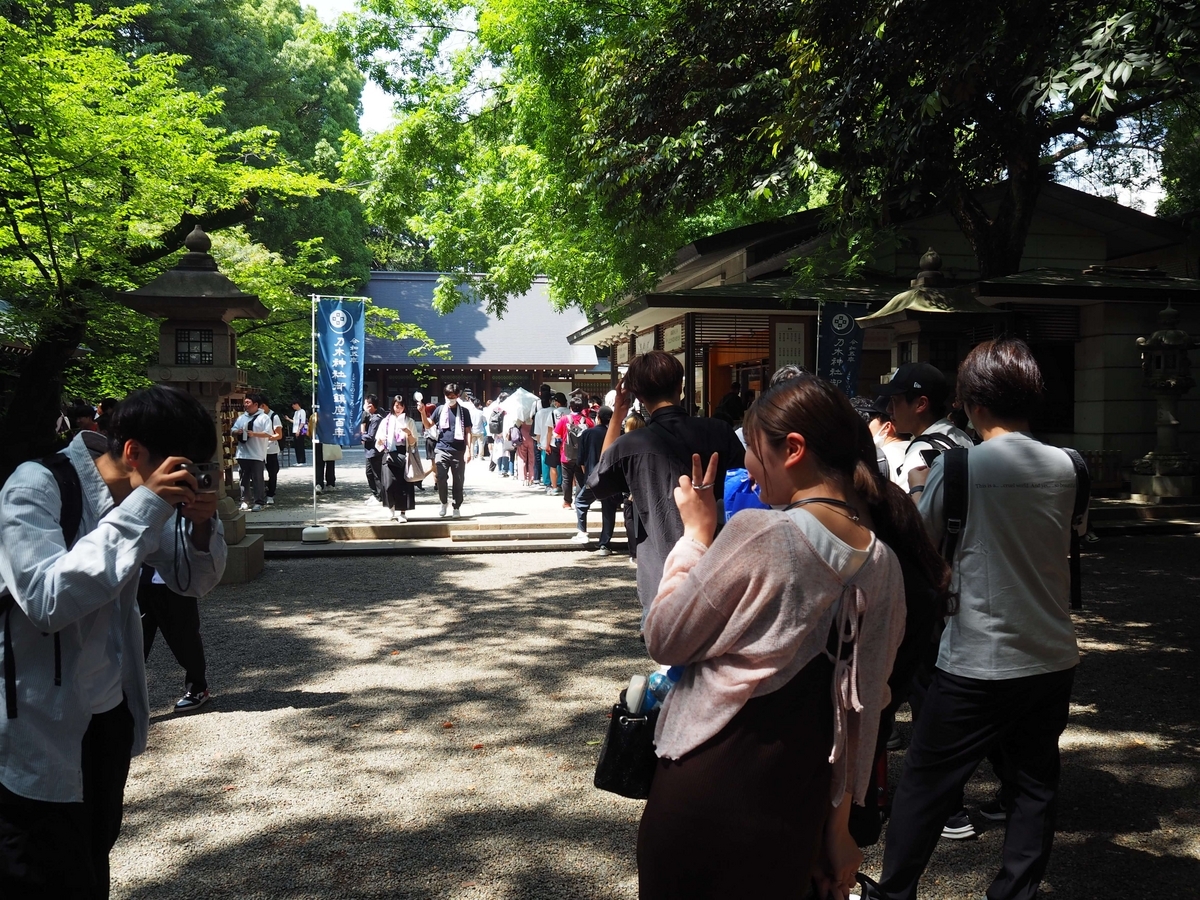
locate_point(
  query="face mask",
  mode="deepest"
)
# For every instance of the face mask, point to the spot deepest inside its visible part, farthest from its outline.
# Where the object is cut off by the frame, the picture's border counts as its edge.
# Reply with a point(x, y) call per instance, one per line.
point(452, 403)
point(879, 439)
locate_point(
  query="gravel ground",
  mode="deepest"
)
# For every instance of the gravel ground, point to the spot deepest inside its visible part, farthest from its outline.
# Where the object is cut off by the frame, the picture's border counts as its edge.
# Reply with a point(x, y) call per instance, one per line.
point(427, 727)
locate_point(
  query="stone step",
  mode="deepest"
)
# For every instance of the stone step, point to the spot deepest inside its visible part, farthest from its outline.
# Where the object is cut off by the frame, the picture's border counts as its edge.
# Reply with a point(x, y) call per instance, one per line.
point(414, 528)
point(434, 546)
point(1143, 512)
point(520, 534)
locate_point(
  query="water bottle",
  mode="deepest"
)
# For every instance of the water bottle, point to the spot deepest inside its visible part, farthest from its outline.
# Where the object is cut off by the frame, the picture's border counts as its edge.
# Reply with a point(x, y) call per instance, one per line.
point(659, 684)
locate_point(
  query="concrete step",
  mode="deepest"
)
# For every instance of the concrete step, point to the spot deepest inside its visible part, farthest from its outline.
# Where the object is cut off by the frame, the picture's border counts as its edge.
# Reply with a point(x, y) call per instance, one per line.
point(414, 528)
point(1143, 512)
point(433, 546)
point(520, 534)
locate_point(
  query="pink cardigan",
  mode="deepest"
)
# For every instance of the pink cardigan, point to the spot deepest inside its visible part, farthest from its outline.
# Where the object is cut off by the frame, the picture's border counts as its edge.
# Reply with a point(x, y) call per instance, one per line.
point(748, 613)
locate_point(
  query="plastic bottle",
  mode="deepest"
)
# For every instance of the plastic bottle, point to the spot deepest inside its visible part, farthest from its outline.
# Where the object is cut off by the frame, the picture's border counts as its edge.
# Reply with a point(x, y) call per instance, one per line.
point(659, 684)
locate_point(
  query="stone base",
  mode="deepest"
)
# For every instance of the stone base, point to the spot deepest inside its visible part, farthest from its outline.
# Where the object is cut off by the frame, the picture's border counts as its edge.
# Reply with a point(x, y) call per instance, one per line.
point(1154, 488)
point(245, 560)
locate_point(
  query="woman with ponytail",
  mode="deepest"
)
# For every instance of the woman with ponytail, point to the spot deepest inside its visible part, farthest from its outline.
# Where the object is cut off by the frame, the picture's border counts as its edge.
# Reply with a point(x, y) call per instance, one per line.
point(787, 623)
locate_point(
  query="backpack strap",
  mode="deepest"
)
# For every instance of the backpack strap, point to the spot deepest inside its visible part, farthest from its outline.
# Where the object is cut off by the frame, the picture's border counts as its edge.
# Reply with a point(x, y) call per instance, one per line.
point(939, 442)
point(1083, 494)
point(69, 520)
point(954, 499)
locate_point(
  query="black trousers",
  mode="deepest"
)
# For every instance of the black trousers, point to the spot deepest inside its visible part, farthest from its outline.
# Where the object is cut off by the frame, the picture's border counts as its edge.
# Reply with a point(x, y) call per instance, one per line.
point(572, 474)
point(450, 464)
point(178, 618)
point(298, 446)
point(272, 473)
point(324, 471)
point(961, 721)
point(375, 475)
point(60, 850)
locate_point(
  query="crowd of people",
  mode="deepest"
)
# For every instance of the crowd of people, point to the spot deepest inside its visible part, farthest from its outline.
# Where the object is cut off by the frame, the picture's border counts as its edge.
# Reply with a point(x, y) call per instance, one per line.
point(807, 572)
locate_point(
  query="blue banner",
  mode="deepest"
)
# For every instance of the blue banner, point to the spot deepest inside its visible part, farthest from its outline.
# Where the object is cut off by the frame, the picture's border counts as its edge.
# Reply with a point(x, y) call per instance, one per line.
point(340, 335)
point(839, 344)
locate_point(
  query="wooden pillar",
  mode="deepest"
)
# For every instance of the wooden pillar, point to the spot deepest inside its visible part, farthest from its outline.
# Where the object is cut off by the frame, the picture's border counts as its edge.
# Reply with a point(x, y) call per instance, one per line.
point(689, 367)
point(613, 375)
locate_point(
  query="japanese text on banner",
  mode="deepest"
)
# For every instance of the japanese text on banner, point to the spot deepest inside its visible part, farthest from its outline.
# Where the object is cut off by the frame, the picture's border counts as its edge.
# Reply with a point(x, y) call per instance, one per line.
point(340, 346)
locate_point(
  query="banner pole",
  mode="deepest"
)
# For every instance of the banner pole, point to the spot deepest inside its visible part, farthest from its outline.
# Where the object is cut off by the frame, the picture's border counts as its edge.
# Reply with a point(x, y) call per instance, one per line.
point(312, 390)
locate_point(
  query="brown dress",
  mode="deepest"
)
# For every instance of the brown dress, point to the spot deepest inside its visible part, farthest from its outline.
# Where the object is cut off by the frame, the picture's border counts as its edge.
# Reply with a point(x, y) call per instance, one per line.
point(742, 815)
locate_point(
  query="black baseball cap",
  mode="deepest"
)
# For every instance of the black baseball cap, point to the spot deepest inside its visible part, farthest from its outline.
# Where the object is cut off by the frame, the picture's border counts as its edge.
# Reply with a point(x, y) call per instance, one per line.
point(919, 377)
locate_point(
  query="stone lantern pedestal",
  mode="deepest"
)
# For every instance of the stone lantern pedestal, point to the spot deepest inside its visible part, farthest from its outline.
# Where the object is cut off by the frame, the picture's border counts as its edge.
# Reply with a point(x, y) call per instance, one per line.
point(197, 353)
point(1166, 471)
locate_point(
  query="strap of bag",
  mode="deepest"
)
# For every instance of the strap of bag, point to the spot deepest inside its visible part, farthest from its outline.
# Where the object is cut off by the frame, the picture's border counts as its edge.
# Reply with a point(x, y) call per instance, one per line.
point(1083, 493)
point(69, 520)
point(954, 499)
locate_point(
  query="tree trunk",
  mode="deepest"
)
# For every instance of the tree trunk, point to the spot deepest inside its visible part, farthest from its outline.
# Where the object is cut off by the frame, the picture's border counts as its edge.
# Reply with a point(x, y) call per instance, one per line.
point(999, 241)
point(28, 423)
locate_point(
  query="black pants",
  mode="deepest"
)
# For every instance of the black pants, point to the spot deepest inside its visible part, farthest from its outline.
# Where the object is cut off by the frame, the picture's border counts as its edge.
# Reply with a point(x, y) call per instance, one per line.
point(375, 475)
point(60, 850)
point(961, 721)
point(450, 464)
point(178, 618)
point(272, 473)
point(324, 470)
point(298, 446)
point(571, 475)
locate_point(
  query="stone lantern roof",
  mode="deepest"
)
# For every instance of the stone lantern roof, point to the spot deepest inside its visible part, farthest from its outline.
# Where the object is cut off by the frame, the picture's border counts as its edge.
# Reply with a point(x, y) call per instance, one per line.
point(927, 293)
point(195, 290)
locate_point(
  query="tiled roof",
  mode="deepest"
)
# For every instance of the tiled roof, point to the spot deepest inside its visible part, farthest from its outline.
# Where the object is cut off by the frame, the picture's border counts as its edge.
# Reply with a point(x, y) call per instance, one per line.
point(532, 334)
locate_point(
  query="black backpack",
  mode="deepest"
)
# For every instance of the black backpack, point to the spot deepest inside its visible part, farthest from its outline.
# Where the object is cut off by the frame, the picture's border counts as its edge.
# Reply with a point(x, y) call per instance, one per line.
point(496, 421)
point(575, 430)
point(72, 514)
point(954, 508)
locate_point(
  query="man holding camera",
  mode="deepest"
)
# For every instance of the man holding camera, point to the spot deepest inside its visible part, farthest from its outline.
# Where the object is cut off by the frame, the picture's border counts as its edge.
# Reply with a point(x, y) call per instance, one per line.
point(75, 530)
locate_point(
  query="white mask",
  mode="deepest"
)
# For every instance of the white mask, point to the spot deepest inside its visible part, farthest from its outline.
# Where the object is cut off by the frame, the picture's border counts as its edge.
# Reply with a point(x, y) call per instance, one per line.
point(879, 439)
point(452, 403)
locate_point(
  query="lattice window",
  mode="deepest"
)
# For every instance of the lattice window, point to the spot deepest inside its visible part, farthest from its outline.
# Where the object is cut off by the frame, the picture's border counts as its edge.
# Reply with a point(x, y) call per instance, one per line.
point(193, 347)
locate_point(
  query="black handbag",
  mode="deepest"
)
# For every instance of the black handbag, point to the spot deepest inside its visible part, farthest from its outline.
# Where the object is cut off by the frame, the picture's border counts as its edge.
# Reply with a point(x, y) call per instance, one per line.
point(627, 762)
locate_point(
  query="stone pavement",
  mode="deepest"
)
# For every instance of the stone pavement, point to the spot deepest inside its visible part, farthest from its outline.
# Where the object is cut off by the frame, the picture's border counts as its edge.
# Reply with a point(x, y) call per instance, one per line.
point(497, 514)
point(425, 727)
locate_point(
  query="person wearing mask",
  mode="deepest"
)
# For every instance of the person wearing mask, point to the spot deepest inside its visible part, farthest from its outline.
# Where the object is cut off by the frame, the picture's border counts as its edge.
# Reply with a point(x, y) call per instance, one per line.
point(769, 735)
point(252, 431)
point(567, 433)
point(272, 461)
point(916, 400)
point(396, 434)
point(590, 446)
point(648, 462)
point(451, 424)
point(543, 434)
point(883, 430)
point(299, 431)
point(368, 429)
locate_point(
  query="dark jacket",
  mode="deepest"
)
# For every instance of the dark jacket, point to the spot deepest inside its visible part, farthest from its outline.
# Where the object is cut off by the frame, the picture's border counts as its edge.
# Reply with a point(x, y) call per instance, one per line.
point(648, 463)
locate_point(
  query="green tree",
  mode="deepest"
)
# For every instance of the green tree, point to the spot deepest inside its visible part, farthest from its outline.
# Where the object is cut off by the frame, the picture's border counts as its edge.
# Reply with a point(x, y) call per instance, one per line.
point(909, 104)
point(106, 164)
point(482, 166)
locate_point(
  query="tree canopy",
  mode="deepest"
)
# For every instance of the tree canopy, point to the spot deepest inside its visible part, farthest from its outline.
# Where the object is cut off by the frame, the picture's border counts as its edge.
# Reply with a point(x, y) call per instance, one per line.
point(586, 139)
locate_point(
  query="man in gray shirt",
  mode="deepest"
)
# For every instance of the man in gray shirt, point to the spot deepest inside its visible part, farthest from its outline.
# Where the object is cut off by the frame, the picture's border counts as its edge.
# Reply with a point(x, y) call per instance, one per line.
point(1007, 658)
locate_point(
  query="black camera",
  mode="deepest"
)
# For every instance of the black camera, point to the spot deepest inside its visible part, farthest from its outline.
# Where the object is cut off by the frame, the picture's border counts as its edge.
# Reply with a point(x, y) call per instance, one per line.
point(206, 475)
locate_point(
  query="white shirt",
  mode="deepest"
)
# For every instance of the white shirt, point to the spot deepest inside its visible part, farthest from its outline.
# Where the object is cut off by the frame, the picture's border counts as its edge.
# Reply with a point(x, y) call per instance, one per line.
point(88, 596)
point(1011, 568)
point(894, 453)
point(252, 447)
point(299, 419)
point(543, 421)
point(912, 452)
point(273, 446)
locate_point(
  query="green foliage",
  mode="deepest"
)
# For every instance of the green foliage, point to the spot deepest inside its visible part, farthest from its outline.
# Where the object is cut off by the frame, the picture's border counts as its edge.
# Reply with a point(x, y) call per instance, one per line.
point(907, 105)
point(483, 165)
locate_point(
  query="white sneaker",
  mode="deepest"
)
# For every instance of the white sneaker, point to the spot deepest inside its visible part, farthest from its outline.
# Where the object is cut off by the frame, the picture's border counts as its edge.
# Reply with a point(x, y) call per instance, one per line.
point(257, 507)
point(581, 537)
point(371, 501)
point(318, 489)
point(245, 507)
point(442, 511)
point(603, 551)
point(454, 512)
point(401, 518)
point(270, 501)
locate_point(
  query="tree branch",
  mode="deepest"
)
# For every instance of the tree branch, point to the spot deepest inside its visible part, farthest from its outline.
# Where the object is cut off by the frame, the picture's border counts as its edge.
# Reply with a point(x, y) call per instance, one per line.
point(172, 239)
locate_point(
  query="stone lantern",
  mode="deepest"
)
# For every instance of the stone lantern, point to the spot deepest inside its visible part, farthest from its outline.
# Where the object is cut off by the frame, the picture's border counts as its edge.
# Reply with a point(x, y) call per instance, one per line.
point(197, 353)
point(1166, 471)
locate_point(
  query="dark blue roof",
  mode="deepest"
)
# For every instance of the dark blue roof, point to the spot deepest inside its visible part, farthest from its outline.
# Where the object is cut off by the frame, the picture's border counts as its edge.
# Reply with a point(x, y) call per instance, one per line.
point(532, 334)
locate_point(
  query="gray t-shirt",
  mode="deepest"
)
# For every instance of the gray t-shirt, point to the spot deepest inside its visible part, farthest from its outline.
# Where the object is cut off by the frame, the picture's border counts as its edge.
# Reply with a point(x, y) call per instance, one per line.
point(1011, 568)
